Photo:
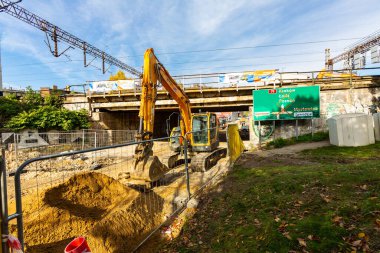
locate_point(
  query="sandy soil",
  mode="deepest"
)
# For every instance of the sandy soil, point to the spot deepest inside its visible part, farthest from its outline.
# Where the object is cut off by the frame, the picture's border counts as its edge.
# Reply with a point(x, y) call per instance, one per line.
point(63, 199)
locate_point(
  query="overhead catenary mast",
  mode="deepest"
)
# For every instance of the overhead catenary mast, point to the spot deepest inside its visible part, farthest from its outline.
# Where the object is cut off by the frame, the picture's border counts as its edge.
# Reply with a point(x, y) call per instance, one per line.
point(1, 70)
point(56, 34)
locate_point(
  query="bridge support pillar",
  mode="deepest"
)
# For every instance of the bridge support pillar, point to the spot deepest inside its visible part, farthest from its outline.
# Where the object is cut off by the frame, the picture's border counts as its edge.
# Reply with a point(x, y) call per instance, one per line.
point(253, 139)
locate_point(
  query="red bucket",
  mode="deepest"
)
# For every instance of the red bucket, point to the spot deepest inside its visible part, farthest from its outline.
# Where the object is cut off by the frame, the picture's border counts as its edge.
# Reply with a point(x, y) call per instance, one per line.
point(78, 245)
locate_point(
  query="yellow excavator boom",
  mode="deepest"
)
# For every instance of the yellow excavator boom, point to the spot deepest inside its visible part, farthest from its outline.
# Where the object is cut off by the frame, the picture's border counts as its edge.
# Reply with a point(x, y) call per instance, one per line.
point(147, 167)
point(155, 72)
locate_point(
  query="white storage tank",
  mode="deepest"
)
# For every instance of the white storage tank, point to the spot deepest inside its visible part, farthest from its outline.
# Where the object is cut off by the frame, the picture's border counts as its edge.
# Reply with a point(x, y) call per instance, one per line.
point(351, 130)
point(376, 121)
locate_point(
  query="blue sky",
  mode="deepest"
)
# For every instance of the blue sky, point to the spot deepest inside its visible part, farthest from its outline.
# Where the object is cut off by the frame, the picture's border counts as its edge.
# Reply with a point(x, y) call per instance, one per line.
point(125, 28)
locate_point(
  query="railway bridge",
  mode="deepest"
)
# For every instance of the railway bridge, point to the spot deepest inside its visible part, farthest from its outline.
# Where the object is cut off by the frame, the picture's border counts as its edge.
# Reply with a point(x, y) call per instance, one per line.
point(119, 109)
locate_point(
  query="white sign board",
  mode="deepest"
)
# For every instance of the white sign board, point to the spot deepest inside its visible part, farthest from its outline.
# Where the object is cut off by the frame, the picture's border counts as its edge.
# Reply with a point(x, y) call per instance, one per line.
point(254, 78)
point(107, 86)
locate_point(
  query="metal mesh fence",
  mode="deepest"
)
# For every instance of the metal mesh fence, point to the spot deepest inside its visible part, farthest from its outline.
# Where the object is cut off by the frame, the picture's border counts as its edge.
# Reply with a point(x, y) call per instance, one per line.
point(30, 144)
point(87, 193)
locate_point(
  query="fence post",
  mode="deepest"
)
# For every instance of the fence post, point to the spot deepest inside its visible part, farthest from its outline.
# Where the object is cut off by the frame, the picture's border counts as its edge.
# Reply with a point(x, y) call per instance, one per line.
point(259, 134)
point(82, 138)
point(4, 202)
point(95, 140)
point(16, 143)
point(312, 128)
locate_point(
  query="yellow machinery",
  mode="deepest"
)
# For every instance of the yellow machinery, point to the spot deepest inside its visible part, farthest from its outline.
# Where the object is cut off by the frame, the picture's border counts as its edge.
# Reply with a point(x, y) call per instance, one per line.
point(199, 130)
point(324, 74)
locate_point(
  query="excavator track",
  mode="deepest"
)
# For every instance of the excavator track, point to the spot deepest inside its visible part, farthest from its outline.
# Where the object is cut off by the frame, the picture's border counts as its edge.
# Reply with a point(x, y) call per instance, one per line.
point(204, 161)
point(172, 160)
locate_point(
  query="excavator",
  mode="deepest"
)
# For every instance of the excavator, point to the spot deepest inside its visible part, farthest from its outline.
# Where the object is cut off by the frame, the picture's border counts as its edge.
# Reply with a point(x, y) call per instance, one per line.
point(198, 130)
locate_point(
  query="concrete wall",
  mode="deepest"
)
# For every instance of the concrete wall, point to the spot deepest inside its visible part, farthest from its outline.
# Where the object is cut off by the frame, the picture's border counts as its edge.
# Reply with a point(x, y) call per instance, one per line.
point(119, 120)
point(332, 102)
point(76, 103)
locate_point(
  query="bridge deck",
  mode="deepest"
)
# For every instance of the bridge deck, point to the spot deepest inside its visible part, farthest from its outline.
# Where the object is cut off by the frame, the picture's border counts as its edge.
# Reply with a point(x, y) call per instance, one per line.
point(213, 98)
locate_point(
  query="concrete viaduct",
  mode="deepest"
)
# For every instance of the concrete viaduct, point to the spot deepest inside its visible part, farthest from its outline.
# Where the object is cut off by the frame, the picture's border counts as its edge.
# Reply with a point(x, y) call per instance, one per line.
point(119, 110)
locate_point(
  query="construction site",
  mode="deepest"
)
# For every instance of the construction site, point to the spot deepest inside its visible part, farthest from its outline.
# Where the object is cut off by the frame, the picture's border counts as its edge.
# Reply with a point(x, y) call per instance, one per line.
point(109, 148)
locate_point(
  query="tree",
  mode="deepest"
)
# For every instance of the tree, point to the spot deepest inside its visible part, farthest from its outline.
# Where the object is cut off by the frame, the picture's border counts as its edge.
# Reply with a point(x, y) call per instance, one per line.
point(9, 107)
point(31, 99)
point(49, 118)
point(53, 100)
point(36, 112)
point(120, 75)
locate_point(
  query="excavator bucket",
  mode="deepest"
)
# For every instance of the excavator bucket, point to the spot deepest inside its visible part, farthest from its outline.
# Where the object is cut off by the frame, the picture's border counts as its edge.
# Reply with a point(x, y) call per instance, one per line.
point(147, 171)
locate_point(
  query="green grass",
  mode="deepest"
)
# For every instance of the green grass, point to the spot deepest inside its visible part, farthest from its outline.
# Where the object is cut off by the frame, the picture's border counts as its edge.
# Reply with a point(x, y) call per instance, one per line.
point(280, 142)
point(326, 204)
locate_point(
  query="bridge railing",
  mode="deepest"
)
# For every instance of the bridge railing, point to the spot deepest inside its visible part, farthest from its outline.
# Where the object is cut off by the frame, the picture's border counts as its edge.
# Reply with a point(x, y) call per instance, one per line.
point(203, 82)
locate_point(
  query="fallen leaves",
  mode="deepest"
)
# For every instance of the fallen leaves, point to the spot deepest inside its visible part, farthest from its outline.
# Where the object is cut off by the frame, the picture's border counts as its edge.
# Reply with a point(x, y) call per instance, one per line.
point(325, 198)
point(359, 243)
point(338, 221)
point(302, 242)
point(377, 222)
point(287, 235)
point(257, 222)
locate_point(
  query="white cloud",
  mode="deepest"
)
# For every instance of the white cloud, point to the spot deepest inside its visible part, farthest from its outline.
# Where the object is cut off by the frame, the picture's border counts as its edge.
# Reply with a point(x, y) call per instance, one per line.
point(127, 28)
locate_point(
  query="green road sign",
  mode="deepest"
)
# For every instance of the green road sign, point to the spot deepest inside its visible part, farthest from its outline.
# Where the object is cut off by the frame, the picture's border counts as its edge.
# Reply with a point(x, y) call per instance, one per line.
point(286, 103)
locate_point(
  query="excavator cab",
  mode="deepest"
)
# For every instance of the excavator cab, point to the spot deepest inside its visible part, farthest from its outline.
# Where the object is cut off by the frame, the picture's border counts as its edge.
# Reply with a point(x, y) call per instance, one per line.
point(175, 142)
point(205, 132)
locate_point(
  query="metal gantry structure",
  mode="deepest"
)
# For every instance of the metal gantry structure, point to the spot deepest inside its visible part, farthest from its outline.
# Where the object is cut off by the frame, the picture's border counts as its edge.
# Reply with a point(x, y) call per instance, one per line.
point(57, 34)
point(360, 47)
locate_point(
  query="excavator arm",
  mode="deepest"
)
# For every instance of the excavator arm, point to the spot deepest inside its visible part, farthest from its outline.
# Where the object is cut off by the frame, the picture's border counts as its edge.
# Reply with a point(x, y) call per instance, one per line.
point(147, 167)
point(155, 72)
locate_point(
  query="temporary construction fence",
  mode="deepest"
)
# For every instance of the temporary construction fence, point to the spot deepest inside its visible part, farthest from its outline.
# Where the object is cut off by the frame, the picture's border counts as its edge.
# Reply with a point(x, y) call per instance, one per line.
point(31, 143)
point(85, 193)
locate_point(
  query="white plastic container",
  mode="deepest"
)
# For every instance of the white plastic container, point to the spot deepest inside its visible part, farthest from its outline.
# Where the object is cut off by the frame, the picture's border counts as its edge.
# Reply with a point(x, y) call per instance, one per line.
point(376, 121)
point(351, 130)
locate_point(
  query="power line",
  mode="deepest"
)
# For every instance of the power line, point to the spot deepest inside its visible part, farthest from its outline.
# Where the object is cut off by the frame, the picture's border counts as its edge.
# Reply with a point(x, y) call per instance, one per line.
point(250, 65)
point(84, 70)
point(248, 47)
point(247, 58)
point(215, 74)
point(179, 63)
point(255, 64)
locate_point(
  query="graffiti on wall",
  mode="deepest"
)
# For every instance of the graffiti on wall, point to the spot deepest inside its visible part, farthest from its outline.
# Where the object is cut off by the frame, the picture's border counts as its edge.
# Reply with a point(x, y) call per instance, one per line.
point(333, 109)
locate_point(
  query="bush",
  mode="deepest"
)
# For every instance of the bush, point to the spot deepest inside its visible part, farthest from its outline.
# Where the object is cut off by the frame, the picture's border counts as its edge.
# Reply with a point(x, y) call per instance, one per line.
point(280, 142)
point(9, 106)
point(48, 118)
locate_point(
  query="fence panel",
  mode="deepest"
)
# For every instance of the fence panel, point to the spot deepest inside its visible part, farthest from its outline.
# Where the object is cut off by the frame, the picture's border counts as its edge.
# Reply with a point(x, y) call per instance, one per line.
point(32, 144)
point(86, 193)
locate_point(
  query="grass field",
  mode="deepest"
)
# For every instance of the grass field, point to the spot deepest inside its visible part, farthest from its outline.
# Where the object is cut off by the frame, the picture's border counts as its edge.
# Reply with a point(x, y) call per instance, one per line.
point(328, 201)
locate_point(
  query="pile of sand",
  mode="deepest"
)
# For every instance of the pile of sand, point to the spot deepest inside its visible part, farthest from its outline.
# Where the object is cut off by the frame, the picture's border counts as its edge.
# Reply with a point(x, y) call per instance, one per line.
point(112, 216)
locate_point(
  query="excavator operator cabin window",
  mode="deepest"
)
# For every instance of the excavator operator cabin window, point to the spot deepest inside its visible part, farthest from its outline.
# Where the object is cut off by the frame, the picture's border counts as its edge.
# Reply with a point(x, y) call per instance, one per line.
point(200, 129)
point(212, 126)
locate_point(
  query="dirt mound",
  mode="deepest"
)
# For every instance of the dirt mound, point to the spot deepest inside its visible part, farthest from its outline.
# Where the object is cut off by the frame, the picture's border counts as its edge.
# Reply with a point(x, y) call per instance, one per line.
point(111, 216)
